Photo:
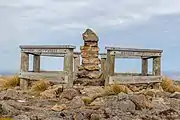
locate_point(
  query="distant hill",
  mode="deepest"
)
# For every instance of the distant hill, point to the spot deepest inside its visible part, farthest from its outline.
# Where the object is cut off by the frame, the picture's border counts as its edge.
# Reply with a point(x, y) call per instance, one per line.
point(171, 74)
point(7, 72)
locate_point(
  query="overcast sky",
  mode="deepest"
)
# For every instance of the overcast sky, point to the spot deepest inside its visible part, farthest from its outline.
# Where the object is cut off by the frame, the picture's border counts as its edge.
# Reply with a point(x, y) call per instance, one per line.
point(123, 23)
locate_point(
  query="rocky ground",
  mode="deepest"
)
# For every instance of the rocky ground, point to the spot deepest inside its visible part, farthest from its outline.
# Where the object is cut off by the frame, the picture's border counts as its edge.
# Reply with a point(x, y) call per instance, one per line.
point(89, 103)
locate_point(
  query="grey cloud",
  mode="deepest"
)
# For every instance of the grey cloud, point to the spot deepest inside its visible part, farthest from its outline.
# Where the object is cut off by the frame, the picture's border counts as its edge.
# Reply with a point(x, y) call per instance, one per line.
point(49, 21)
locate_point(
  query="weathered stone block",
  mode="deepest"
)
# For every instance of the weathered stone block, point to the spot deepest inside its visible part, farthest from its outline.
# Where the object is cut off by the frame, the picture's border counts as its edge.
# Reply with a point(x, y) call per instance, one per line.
point(94, 75)
point(69, 94)
point(91, 43)
point(89, 35)
point(90, 61)
point(89, 54)
point(89, 48)
point(91, 67)
point(95, 61)
point(89, 74)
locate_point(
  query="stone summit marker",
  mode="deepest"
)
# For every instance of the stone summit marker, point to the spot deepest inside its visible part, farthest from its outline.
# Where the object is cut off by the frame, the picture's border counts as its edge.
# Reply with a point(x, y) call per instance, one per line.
point(92, 71)
point(90, 68)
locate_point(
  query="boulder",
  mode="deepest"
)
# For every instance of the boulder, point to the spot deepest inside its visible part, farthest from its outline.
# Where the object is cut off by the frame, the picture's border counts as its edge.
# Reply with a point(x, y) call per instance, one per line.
point(152, 92)
point(48, 94)
point(123, 96)
point(95, 116)
point(126, 105)
point(52, 92)
point(159, 104)
point(53, 118)
point(21, 117)
point(170, 114)
point(76, 102)
point(133, 88)
point(69, 93)
point(98, 102)
point(175, 95)
point(11, 94)
point(8, 109)
point(174, 103)
point(92, 91)
point(141, 101)
point(119, 102)
point(59, 107)
point(64, 101)
point(79, 116)
point(83, 114)
point(163, 94)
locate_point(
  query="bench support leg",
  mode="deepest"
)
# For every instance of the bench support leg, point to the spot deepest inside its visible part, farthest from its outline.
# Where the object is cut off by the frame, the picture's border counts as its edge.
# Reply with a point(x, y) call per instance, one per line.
point(68, 66)
point(144, 66)
point(157, 66)
point(110, 63)
point(76, 63)
point(24, 68)
point(36, 63)
point(103, 66)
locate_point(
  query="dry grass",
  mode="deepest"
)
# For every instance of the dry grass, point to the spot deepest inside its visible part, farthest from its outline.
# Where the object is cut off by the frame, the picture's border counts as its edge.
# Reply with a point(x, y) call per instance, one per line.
point(177, 88)
point(120, 88)
point(39, 87)
point(9, 82)
point(107, 91)
point(2, 81)
point(116, 89)
point(87, 100)
point(6, 119)
point(12, 82)
point(169, 86)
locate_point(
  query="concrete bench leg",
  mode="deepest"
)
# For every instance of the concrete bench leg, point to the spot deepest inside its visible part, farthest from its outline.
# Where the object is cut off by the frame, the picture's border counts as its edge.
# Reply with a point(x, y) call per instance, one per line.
point(36, 63)
point(24, 68)
point(110, 64)
point(68, 66)
point(144, 66)
point(157, 66)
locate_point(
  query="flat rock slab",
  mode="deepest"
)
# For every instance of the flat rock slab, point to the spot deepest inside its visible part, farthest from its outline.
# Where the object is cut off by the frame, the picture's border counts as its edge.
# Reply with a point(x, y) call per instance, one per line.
point(89, 82)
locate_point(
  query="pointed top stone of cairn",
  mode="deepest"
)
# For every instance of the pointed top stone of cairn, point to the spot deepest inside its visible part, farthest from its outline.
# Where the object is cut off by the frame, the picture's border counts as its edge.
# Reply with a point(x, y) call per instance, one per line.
point(89, 35)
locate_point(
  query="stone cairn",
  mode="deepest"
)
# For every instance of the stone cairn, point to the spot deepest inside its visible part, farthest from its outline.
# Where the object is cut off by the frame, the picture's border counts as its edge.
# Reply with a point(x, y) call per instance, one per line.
point(89, 52)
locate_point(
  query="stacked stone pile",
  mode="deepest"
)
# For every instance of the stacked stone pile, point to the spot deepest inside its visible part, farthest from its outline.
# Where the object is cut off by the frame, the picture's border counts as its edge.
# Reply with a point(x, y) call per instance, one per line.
point(89, 53)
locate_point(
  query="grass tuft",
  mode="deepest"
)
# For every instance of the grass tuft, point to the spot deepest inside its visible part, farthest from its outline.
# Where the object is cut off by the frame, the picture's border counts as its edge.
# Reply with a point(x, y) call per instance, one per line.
point(169, 86)
point(9, 82)
point(6, 119)
point(107, 91)
point(177, 88)
point(87, 100)
point(116, 89)
point(166, 83)
point(12, 82)
point(39, 87)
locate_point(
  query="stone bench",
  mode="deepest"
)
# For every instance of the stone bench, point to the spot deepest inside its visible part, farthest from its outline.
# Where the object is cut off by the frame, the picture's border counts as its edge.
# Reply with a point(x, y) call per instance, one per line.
point(65, 51)
point(59, 77)
point(108, 61)
point(76, 57)
point(121, 79)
